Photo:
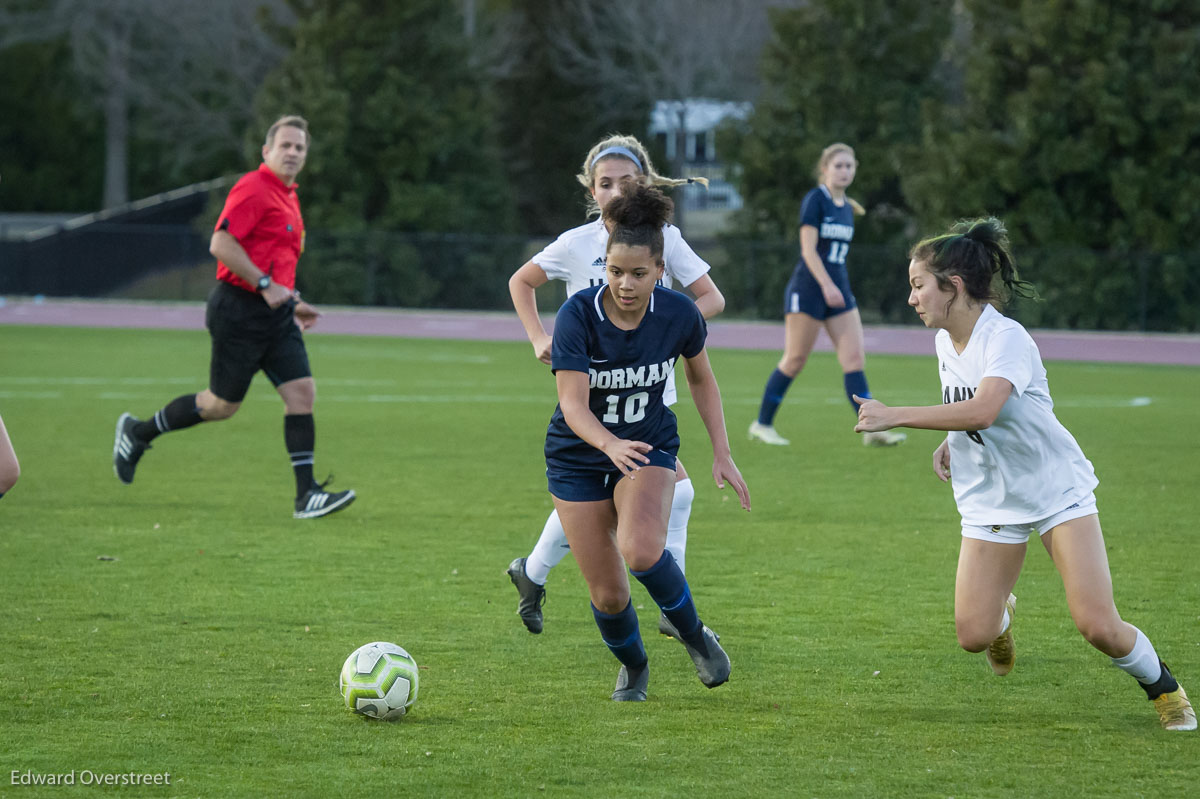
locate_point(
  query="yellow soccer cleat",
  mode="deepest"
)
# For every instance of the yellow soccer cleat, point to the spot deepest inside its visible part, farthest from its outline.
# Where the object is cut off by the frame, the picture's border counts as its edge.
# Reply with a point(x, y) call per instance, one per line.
point(1001, 653)
point(1175, 711)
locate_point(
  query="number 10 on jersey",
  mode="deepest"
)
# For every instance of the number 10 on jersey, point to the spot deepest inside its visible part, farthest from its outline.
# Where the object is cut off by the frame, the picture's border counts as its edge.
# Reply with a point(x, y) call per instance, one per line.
point(635, 408)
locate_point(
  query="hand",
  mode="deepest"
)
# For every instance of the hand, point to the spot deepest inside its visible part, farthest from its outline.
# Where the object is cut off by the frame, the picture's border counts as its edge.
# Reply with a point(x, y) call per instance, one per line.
point(541, 348)
point(941, 460)
point(627, 456)
point(305, 315)
point(275, 295)
point(833, 296)
point(873, 416)
point(725, 469)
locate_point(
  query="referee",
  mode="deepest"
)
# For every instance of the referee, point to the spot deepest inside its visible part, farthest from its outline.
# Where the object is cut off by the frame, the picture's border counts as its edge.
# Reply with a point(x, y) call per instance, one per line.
point(255, 318)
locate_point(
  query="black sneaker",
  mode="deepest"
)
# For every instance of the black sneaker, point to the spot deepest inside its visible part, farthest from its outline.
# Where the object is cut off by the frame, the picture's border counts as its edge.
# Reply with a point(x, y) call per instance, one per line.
point(319, 502)
point(127, 449)
point(712, 664)
point(533, 596)
point(631, 684)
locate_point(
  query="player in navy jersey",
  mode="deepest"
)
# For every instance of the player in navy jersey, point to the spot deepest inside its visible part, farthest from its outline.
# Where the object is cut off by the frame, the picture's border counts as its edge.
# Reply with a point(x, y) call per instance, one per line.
point(611, 445)
point(577, 258)
point(1016, 469)
point(819, 296)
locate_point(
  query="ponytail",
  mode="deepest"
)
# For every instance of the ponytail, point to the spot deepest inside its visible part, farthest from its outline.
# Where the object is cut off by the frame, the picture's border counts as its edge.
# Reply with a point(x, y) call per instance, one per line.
point(637, 217)
point(629, 148)
point(978, 251)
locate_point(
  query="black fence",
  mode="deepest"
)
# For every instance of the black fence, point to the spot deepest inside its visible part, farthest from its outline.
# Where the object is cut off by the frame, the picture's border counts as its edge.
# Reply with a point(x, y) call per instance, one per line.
point(1079, 289)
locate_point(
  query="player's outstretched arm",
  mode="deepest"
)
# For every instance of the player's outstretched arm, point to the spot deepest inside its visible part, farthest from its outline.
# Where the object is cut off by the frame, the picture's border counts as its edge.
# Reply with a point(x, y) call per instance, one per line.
point(628, 456)
point(707, 396)
point(977, 413)
point(522, 287)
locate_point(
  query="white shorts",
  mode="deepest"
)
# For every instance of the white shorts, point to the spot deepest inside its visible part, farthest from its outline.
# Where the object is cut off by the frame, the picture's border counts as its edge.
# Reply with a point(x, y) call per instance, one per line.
point(1019, 533)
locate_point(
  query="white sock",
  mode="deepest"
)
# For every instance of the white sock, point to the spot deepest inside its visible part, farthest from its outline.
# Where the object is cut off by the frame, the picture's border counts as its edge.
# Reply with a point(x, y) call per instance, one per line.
point(1005, 622)
point(1142, 662)
point(550, 548)
point(681, 511)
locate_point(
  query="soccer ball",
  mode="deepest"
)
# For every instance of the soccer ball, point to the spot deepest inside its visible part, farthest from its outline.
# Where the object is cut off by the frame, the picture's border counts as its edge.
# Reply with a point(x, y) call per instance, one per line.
point(379, 680)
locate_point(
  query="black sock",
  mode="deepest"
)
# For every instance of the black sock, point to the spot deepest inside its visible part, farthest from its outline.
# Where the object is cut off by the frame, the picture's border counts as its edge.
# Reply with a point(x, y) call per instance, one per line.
point(300, 437)
point(1165, 684)
point(177, 414)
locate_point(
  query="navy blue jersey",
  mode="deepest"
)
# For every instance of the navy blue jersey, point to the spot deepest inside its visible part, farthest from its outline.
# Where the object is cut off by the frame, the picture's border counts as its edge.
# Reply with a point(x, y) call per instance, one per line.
point(834, 224)
point(627, 371)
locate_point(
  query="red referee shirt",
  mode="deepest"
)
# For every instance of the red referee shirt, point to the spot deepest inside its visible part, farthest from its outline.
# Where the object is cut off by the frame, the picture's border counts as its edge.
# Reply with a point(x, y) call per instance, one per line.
point(264, 216)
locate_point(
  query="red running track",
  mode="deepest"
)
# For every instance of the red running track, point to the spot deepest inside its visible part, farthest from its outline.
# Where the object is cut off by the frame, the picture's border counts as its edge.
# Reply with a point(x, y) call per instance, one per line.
point(1159, 348)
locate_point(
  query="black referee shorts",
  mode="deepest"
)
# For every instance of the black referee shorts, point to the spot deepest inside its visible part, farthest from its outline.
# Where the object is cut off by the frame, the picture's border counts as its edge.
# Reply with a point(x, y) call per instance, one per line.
point(247, 335)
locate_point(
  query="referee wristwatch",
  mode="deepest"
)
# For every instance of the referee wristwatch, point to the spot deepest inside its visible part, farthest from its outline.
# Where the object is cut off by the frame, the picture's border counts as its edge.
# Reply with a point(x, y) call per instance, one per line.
point(264, 283)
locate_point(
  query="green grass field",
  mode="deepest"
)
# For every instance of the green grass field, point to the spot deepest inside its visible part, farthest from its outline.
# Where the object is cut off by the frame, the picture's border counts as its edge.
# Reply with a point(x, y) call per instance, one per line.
point(187, 624)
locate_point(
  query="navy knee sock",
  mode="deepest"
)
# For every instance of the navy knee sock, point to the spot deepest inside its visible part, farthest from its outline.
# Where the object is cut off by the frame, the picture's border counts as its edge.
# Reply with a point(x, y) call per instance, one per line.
point(620, 631)
point(300, 436)
point(177, 414)
point(669, 589)
point(777, 386)
point(856, 383)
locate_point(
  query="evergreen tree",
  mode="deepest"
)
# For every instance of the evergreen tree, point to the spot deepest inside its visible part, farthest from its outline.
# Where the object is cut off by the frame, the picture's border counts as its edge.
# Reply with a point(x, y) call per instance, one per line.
point(403, 142)
point(1078, 126)
point(549, 122)
point(838, 70)
point(403, 126)
point(834, 70)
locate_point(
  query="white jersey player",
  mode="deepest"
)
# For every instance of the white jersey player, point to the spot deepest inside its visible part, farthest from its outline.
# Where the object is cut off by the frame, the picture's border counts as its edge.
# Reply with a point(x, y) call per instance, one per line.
point(577, 257)
point(1014, 468)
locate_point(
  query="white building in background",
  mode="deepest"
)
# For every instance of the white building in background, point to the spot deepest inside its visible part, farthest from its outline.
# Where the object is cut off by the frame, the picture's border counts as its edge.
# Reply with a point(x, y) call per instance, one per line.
point(700, 119)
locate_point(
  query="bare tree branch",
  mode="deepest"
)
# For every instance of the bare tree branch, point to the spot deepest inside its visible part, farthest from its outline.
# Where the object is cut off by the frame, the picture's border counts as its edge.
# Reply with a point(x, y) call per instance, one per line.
point(191, 69)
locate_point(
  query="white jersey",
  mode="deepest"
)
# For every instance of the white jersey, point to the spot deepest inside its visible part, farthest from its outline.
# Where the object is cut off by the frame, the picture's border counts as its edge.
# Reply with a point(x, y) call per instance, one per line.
point(1026, 466)
point(577, 257)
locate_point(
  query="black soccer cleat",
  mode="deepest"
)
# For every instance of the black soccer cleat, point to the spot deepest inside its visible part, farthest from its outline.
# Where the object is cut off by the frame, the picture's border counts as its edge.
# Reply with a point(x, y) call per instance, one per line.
point(632, 684)
point(532, 596)
point(319, 502)
point(712, 664)
point(665, 627)
point(127, 449)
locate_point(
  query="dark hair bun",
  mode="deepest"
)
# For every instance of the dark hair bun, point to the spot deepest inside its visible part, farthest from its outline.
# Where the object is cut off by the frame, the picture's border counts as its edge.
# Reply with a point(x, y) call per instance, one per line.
point(639, 206)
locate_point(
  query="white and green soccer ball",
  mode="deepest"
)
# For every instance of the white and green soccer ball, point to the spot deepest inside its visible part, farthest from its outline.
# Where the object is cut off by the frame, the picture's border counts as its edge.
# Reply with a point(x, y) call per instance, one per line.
point(379, 680)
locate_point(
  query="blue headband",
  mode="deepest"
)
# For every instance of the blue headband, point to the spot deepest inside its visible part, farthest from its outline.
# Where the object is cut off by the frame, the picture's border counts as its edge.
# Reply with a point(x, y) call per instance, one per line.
point(625, 152)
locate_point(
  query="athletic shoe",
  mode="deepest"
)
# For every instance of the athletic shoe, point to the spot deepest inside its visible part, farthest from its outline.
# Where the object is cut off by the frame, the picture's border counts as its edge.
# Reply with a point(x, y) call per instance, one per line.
point(665, 627)
point(712, 664)
point(127, 449)
point(1175, 711)
point(1001, 655)
point(884, 438)
point(319, 502)
point(631, 687)
point(532, 596)
point(766, 434)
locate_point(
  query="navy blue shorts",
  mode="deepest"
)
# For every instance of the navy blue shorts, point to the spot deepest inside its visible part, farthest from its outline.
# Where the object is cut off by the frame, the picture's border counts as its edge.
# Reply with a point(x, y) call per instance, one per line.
point(803, 294)
point(594, 485)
